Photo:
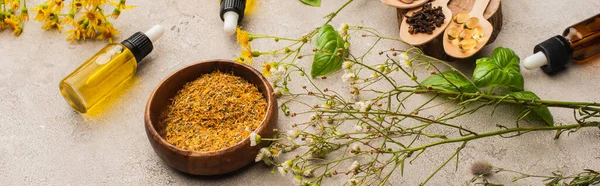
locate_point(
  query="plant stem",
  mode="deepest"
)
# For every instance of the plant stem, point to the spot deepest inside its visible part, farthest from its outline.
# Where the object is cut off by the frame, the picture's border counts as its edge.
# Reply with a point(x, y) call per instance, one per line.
point(501, 132)
point(513, 100)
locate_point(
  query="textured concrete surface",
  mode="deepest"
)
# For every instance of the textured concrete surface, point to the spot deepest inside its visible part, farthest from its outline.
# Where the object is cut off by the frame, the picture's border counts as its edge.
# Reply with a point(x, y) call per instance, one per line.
point(45, 142)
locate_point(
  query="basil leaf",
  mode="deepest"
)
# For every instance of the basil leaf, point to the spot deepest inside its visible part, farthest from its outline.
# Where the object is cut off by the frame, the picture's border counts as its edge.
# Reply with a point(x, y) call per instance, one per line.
point(542, 112)
point(316, 3)
point(449, 82)
point(328, 43)
point(501, 70)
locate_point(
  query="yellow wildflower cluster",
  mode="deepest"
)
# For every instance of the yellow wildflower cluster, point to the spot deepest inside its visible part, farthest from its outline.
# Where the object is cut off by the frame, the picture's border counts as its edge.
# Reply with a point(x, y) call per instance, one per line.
point(244, 40)
point(12, 15)
point(86, 18)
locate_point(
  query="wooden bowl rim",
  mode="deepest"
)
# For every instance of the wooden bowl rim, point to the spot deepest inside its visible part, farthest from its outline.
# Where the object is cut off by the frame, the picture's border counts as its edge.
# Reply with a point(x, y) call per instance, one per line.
point(163, 142)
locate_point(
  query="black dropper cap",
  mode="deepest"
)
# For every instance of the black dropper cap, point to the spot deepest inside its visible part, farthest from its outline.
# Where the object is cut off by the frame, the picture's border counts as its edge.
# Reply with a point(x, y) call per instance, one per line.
point(558, 53)
point(140, 45)
point(238, 6)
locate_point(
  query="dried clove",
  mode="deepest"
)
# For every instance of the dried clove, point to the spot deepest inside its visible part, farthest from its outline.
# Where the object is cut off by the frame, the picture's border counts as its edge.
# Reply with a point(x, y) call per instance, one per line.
point(425, 20)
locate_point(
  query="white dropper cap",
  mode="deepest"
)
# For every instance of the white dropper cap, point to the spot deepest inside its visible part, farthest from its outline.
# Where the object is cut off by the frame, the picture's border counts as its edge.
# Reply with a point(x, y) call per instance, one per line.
point(230, 19)
point(155, 32)
point(535, 61)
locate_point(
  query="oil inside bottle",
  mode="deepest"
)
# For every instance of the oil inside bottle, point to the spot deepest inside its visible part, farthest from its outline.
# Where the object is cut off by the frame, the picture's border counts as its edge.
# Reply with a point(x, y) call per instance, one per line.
point(584, 38)
point(99, 77)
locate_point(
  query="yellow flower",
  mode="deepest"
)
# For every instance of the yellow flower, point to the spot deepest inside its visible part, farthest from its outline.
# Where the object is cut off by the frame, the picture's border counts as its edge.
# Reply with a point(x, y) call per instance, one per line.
point(56, 4)
point(122, 5)
point(250, 6)
point(93, 3)
point(119, 6)
point(108, 32)
point(24, 13)
point(76, 34)
point(14, 5)
point(242, 37)
point(77, 3)
point(70, 19)
point(2, 25)
point(17, 31)
point(246, 56)
point(42, 12)
point(12, 21)
point(94, 16)
point(266, 68)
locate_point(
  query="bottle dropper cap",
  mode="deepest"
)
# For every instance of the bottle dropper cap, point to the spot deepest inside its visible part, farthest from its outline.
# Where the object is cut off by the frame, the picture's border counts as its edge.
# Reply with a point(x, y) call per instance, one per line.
point(232, 12)
point(141, 44)
point(552, 55)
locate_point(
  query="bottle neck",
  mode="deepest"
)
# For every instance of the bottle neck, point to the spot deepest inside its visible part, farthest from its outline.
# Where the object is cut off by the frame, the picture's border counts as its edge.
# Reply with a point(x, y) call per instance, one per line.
point(140, 45)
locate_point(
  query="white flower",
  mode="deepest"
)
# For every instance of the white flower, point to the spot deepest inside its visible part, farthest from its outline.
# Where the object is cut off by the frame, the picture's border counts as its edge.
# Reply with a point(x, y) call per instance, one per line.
point(254, 139)
point(282, 171)
point(266, 152)
point(293, 134)
point(278, 70)
point(349, 77)
point(275, 152)
point(287, 164)
point(355, 166)
point(259, 157)
point(308, 173)
point(362, 106)
point(405, 60)
point(308, 141)
point(343, 29)
point(358, 128)
point(347, 64)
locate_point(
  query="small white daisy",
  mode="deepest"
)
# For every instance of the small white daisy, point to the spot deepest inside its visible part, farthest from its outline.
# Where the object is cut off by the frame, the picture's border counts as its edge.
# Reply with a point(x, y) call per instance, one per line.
point(308, 173)
point(293, 134)
point(355, 166)
point(358, 128)
point(347, 64)
point(282, 171)
point(287, 164)
point(254, 139)
point(349, 77)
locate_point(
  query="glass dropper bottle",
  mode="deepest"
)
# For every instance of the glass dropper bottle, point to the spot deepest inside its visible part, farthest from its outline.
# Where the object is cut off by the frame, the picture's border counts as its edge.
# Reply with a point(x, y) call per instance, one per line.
point(578, 43)
point(107, 70)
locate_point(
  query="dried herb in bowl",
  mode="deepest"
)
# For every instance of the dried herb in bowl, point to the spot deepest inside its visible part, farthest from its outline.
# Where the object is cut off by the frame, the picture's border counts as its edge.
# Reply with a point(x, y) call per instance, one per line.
point(213, 112)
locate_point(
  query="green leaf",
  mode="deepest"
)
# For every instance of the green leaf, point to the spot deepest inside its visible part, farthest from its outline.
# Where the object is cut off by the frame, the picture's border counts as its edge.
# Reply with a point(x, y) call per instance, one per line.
point(501, 70)
point(316, 3)
point(449, 82)
point(328, 43)
point(541, 111)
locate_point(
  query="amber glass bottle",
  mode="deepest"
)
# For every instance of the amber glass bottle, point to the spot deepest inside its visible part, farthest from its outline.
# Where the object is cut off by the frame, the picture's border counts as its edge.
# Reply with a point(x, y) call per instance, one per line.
point(578, 43)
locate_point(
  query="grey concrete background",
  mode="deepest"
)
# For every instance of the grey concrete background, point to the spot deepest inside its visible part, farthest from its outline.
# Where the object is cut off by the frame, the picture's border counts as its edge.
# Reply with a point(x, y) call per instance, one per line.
point(45, 142)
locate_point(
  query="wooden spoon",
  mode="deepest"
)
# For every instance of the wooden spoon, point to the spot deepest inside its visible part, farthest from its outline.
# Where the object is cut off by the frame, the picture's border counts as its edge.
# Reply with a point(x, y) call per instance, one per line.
point(403, 5)
point(451, 46)
point(422, 38)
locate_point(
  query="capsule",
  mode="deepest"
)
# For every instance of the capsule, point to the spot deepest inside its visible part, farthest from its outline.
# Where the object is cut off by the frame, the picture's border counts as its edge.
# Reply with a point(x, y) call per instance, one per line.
point(467, 44)
point(478, 32)
point(452, 33)
point(460, 18)
point(471, 23)
point(465, 34)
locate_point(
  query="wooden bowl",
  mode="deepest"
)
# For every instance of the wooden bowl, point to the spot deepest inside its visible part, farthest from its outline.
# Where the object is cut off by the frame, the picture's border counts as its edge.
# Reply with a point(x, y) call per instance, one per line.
point(215, 162)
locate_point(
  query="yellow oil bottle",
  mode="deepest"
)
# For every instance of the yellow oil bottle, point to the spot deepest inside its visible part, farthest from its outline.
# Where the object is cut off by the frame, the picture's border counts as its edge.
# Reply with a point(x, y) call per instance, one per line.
point(107, 70)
